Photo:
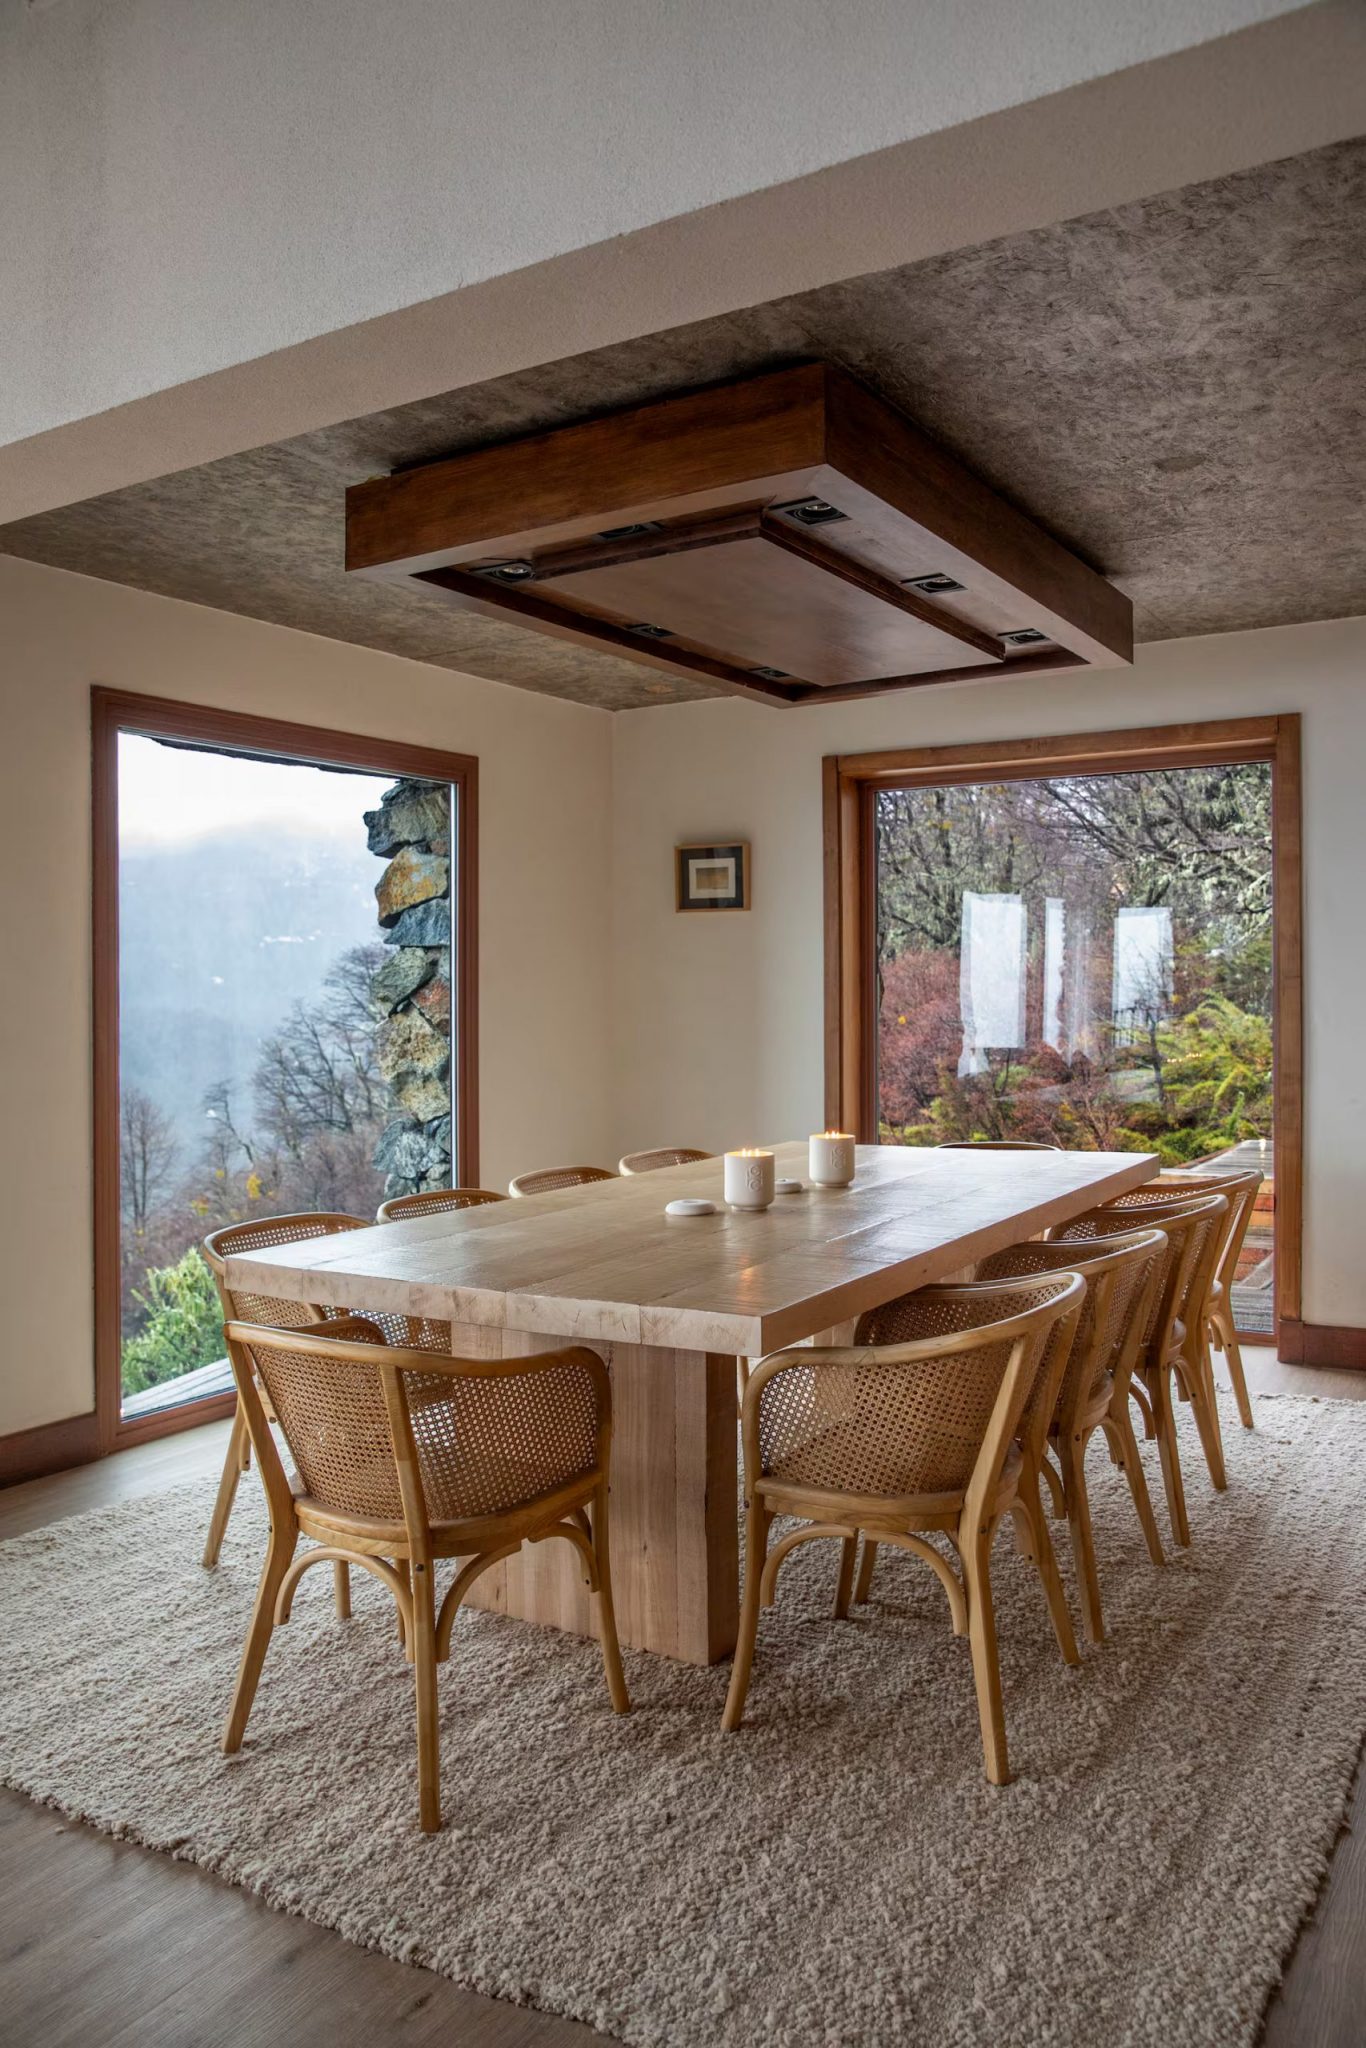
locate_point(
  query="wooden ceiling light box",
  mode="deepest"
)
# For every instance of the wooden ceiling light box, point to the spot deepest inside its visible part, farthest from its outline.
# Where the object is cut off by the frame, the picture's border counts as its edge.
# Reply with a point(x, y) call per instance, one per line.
point(789, 536)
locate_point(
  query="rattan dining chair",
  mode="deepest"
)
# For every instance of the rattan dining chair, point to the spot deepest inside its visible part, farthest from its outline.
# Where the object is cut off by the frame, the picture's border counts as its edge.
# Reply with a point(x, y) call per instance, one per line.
point(663, 1155)
point(1159, 1198)
point(1170, 1350)
point(899, 1440)
point(404, 1458)
point(546, 1179)
point(219, 1246)
point(1218, 1325)
point(434, 1202)
point(1122, 1274)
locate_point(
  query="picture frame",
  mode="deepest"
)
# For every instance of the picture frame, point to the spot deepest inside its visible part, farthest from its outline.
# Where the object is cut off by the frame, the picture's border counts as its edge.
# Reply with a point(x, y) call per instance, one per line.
point(712, 875)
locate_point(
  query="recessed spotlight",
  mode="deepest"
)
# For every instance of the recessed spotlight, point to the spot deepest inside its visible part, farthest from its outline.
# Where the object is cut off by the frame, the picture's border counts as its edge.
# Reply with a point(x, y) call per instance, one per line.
point(932, 586)
point(771, 675)
point(506, 572)
point(647, 632)
point(630, 532)
point(1026, 637)
point(811, 512)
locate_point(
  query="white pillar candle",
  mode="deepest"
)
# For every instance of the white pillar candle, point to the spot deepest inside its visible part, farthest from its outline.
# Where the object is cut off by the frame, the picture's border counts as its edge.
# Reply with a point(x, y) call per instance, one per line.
point(749, 1179)
point(830, 1159)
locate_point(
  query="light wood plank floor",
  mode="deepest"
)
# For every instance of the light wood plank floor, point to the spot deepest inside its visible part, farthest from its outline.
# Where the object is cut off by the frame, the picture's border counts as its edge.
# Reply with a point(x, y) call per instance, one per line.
point(105, 1945)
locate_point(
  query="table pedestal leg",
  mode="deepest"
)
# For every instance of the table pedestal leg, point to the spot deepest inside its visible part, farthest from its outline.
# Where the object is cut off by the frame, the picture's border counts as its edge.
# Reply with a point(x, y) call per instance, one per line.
point(675, 1562)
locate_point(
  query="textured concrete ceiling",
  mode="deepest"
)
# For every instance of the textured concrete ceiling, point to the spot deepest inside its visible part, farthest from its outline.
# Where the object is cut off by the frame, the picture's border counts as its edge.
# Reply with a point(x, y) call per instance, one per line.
point(1176, 389)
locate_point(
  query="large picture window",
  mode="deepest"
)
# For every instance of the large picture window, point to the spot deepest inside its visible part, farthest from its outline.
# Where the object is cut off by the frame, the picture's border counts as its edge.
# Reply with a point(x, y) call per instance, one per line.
point(1091, 943)
point(283, 1020)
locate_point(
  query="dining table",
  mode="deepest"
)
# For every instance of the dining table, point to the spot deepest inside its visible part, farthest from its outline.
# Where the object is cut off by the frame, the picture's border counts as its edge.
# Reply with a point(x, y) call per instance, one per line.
point(670, 1303)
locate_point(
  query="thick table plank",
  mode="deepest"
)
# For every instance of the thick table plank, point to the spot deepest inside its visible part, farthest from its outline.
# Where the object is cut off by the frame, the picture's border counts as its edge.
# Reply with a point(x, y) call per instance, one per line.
point(670, 1303)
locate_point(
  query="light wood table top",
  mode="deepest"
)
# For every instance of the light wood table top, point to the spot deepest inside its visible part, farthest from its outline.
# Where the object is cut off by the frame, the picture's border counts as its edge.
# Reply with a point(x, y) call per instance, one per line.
point(603, 1262)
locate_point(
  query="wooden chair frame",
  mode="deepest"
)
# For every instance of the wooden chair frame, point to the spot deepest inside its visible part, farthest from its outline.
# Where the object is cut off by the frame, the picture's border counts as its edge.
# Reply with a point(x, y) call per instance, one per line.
point(970, 1521)
point(402, 1555)
point(1082, 1406)
point(544, 1180)
point(1172, 1354)
point(660, 1156)
point(434, 1202)
point(1218, 1329)
point(216, 1248)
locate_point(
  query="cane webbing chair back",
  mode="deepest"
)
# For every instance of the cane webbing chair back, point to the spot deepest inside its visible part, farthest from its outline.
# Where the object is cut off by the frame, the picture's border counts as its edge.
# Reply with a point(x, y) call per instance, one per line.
point(894, 1439)
point(1241, 1191)
point(434, 1202)
point(1120, 1275)
point(996, 1145)
point(259, 1235)
point(662, 1155)
point(402, 1461)
point(545, 1180)
point(1172, 1343)
point(486, 1443)
point(1192, 1227)
point(898, 1416)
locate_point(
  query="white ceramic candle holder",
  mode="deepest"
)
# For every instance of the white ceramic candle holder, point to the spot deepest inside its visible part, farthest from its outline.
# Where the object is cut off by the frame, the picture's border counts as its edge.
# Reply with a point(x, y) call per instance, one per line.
point(831, 1159)
point(749, 1177)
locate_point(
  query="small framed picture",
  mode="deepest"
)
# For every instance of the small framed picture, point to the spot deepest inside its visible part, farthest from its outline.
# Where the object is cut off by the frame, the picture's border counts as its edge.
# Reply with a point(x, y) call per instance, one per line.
point(713, 877)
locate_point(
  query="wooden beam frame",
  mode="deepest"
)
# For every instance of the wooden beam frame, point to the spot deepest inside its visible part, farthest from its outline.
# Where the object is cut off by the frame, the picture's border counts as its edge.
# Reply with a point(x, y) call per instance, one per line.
point(851, 782)
point(504, 530)
point(113, 712)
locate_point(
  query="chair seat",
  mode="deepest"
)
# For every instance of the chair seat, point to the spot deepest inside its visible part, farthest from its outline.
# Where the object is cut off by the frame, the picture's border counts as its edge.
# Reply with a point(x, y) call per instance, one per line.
point(899, 1511)
point(375, 1537)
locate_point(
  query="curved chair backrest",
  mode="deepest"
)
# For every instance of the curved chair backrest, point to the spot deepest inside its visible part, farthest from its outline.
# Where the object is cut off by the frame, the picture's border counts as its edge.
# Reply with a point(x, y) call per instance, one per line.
point(1193, 1229)
point(663, 1155)
point(933, 1412)
point(995, 1145)
point(399, 1436)
point(258, 1235)
point(434, 1202)
point(1121, 1275)
point(1240, 1190)
point(545, 1179)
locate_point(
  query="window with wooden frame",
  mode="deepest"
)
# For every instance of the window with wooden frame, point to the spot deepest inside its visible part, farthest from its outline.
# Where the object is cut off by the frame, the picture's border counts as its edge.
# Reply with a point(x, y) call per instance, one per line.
point(1090, 940)
point(284, 963)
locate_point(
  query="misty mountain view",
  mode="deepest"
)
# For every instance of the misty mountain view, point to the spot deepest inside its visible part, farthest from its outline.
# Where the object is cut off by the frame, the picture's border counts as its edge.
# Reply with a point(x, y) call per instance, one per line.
point(219, 937)
point(250, 941)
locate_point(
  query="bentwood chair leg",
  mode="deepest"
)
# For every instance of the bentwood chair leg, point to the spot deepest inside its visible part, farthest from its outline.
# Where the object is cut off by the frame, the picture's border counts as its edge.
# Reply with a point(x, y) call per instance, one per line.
point(1119, 1432)
point(865, 1572)
point(1033, 1539)
point(424, 1678)
point(341, 1590)
point(986, 1669)
point(1164, 1420)
point(1199, 1377)
point(756, 1549)
point(607, 1620)
point(234, 1464)
point(1073, 1456)
point(401, 1567)
point(844, 1590)
point(279, 1554)
point(1227, 1339)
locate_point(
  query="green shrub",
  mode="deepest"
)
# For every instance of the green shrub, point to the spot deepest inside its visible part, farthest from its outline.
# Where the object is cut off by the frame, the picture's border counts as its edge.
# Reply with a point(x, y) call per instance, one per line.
point(183, 1328)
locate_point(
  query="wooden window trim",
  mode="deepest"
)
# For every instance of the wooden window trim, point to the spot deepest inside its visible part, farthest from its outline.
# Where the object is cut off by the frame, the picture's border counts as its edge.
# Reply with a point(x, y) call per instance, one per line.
point(850, 784)
point(115, 711)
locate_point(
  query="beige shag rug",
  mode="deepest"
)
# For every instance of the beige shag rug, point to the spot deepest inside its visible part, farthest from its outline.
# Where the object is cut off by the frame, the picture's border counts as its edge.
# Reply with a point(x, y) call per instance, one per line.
point(840, 1872)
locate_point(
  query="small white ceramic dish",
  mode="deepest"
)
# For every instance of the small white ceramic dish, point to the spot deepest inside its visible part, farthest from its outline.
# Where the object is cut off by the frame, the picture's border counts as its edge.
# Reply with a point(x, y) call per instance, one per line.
point(789, 1187)
point(690, 1205)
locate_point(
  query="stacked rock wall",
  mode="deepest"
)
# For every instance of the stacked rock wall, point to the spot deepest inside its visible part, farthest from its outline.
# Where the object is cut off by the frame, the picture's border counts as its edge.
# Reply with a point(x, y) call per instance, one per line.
point(411, 992)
